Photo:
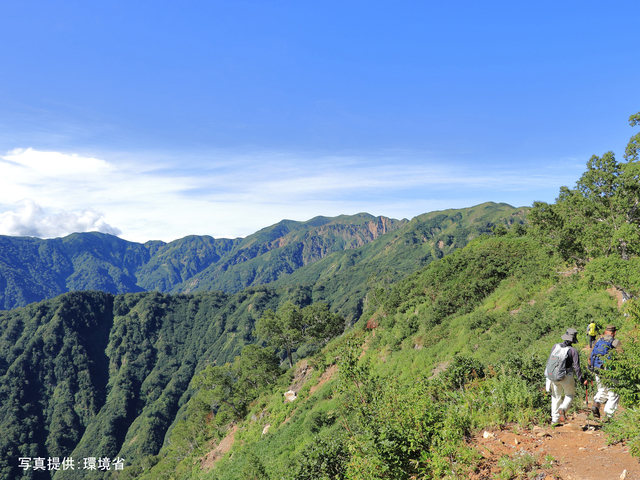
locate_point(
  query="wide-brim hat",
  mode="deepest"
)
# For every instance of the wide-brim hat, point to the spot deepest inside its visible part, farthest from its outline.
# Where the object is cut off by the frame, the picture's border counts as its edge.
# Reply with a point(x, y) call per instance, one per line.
point(611, 328)
point(571, 335)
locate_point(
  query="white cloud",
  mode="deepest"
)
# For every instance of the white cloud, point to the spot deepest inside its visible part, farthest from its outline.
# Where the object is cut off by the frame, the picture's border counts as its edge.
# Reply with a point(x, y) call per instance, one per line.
point(29, 219)
point(55, 164)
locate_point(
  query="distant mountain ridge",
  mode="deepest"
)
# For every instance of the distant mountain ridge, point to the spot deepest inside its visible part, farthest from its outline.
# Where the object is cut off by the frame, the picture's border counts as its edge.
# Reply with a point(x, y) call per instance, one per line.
point(33, 269)
point(343, 278)
point(277, 251)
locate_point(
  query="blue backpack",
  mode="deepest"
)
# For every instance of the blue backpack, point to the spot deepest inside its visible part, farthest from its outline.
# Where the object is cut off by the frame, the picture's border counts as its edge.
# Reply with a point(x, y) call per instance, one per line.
point(600, 353)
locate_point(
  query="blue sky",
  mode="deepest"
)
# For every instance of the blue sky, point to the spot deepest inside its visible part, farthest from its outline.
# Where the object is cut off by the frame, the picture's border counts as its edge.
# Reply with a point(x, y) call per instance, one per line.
point(155, 120)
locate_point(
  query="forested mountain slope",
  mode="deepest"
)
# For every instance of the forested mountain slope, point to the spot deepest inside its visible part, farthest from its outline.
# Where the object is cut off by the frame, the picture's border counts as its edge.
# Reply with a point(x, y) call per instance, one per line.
point(32, 269)
point(90, 374)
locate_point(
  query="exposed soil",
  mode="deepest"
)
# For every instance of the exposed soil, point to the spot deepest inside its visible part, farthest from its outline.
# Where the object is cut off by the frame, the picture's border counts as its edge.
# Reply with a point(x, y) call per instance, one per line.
point(218, 452)
point(578, 454)
point(438, 369)
point(324, 378)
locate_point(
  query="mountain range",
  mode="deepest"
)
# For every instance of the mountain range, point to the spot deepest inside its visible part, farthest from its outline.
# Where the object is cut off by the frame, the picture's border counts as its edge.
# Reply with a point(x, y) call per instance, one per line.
point(287, 253)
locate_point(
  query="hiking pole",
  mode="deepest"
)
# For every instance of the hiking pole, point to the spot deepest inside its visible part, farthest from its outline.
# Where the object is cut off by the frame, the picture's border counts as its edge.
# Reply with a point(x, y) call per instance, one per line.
point(586, 394)
point(586, 399)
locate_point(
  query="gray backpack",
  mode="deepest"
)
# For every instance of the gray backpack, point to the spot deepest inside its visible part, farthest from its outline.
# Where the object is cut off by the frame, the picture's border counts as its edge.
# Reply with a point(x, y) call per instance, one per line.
point(556, 365)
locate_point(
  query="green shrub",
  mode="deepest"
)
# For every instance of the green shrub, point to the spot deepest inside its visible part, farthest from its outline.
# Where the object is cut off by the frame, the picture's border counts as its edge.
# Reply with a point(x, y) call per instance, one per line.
point(528, 367)
point(323, 459)
point(462, 370)
point(626, 427)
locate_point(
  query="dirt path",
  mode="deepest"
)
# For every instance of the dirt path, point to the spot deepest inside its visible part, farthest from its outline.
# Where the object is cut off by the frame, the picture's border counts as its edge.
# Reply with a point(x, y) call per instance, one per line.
point(577, 454)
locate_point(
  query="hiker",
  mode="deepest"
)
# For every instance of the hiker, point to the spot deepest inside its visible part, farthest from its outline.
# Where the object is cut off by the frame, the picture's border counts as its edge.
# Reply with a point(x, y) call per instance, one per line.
point(597, 361)
point(563, 363)
point(591, 333)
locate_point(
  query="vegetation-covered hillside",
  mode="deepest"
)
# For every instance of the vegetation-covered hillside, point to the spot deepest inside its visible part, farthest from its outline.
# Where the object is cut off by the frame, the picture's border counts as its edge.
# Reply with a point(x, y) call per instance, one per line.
point(90, 374)
point(372, 404)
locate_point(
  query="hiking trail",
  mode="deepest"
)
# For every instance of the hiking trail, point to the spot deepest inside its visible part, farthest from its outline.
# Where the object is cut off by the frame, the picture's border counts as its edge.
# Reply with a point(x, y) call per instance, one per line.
point(579, 450)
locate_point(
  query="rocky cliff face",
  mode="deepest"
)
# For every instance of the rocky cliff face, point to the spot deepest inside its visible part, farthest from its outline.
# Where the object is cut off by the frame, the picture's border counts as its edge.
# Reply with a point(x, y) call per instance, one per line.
point(289, 247)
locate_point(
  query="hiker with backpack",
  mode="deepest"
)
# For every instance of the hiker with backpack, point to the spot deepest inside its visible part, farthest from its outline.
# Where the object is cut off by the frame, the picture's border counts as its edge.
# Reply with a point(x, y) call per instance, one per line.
point(562, 371)
point(591, 333)
point(597, 363)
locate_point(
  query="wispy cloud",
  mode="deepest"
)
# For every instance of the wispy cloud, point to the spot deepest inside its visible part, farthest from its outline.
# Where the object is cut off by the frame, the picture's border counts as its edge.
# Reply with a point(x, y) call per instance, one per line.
point(228, 194)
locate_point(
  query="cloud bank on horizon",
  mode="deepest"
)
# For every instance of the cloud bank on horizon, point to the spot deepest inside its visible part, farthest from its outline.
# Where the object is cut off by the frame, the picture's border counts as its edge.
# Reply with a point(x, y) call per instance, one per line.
point(29, 219)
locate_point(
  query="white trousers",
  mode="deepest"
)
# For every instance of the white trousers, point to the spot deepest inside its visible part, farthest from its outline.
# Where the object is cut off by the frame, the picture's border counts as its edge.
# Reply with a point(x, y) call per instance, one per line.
point(606, 395)
point(566, 387)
